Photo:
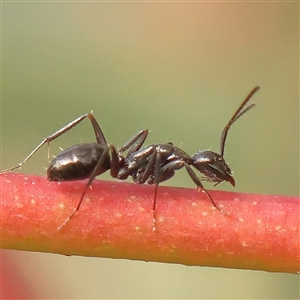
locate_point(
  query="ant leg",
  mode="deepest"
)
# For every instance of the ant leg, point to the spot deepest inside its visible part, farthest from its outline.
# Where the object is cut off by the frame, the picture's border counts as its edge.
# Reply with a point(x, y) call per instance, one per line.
point(157, 176)
point(114, 162)
point(154, 163)
point(200, 186)
point(98, 132)
point(168, 170)
point(47, 140)
point(158, 168)
point(91, 179)
point(135, 142)
point(161, 173)
point(99, 136)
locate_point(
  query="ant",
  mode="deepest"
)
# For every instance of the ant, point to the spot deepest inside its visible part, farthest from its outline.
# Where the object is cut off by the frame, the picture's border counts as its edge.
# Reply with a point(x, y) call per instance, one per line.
point(151, 164)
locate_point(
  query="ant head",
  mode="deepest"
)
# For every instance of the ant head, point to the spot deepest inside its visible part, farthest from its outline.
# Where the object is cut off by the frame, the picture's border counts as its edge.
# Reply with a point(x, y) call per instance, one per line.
point(213, 166)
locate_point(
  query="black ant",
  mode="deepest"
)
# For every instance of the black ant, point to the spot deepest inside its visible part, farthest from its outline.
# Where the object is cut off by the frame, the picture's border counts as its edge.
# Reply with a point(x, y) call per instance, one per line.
point(151, 164)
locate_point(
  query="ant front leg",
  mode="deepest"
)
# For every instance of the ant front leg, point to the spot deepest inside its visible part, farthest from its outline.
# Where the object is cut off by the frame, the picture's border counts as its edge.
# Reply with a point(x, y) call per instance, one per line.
point(99, 136)
point(200, 186)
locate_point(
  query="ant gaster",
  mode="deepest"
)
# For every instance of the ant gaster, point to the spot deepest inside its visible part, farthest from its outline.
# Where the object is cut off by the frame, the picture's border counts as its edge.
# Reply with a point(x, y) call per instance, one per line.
point(151, 164)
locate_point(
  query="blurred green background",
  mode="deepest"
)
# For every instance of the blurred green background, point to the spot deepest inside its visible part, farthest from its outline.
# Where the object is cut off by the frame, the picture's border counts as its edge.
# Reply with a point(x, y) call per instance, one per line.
point(178, 69)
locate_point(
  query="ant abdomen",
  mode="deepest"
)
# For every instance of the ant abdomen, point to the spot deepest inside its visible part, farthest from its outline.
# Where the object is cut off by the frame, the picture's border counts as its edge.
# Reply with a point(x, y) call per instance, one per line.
point(77, 162)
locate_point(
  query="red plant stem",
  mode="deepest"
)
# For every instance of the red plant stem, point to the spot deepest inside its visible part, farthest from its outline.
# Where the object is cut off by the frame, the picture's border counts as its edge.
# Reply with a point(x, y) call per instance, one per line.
point(13, 285)
point(261, 232)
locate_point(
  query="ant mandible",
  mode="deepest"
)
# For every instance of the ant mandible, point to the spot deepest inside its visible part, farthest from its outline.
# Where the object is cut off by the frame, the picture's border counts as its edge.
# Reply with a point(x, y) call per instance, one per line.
point(152, 164)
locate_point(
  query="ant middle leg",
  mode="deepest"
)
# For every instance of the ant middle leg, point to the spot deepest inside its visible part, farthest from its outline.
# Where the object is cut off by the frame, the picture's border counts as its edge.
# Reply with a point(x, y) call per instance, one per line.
point(157, 163)
point(99, 136)
point(144, 166)
point(134, 143)
point(159, 169)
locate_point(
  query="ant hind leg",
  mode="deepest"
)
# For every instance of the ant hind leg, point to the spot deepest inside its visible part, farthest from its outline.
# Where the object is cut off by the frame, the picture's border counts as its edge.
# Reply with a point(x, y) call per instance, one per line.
point(90, 181)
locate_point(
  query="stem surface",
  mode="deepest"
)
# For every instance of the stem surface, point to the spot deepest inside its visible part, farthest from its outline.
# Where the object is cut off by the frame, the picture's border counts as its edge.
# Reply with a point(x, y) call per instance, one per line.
point(260, 232)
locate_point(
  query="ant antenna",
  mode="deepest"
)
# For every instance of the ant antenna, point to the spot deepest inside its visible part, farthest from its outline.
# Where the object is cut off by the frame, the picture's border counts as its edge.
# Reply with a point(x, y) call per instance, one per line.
point(236, 115)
